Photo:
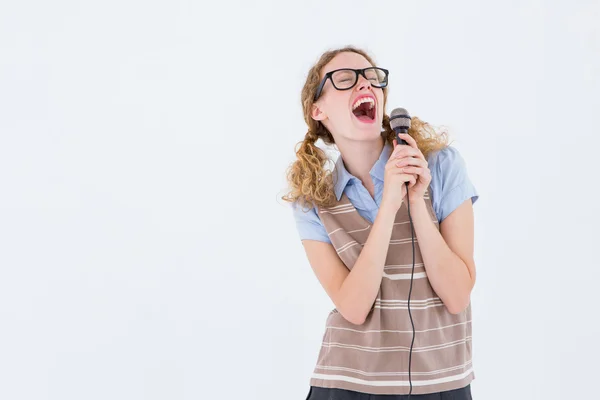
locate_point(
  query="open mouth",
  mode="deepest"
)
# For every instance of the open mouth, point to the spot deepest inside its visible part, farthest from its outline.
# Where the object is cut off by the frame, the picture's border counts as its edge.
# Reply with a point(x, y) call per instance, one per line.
point(364, 109)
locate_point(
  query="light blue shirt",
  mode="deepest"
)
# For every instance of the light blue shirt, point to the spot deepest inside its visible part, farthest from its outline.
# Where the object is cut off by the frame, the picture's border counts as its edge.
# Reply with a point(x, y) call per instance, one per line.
point(450, 187)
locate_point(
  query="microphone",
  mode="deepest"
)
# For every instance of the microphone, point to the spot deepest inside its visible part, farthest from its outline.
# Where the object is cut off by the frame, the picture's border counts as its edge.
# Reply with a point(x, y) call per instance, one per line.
point(400, 123)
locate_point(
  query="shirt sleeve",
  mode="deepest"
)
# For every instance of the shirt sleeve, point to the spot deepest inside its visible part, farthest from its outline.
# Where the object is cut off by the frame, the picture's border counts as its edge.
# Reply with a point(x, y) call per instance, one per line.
point(309, 225)
point(450, 183)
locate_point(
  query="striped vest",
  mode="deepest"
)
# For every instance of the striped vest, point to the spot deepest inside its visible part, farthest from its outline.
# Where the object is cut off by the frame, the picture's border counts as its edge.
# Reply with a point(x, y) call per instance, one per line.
point(373, 357)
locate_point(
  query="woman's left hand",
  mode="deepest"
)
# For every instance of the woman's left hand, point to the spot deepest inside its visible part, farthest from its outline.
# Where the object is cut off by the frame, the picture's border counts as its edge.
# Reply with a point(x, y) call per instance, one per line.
point(412, 161)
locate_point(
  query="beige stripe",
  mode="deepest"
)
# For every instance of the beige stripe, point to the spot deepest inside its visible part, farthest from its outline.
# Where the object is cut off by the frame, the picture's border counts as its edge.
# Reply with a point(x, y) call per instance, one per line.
point(346, 246)
point(422, 382)
point(354, 231)
point(397, 331)
point(412, 307)
point(413, 373)
point(403, 241)
point(336, 212)
point(337, 208)
point(392, 340)
point(340, 206)
point(407, 270)
point(403, 266)
point(381, 349)
point(438, 325)
point(383, 354)
point(408, 222)
point(396, 277)
point(413, 301)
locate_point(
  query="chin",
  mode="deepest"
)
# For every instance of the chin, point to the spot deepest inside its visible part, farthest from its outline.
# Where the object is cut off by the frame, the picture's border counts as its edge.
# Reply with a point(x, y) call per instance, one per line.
point(364, 133)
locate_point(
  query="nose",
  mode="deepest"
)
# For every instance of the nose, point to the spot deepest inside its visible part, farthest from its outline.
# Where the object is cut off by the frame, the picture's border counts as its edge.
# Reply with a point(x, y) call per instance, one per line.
point(362, 83)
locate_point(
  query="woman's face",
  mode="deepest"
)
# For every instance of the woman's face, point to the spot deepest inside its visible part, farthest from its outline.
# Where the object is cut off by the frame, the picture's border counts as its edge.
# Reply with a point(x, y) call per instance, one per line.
point(337, 109)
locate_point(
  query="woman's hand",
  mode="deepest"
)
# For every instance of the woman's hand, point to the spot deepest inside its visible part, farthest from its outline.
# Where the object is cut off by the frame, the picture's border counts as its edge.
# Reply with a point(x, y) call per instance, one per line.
point(394, 188)
point(410, 160)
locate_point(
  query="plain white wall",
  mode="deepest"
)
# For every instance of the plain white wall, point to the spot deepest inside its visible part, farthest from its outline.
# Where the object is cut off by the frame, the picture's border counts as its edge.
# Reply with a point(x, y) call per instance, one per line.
point(144, 250)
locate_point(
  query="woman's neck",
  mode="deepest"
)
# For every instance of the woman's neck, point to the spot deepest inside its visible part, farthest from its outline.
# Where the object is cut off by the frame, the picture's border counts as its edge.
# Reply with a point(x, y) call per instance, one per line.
point(359, 158)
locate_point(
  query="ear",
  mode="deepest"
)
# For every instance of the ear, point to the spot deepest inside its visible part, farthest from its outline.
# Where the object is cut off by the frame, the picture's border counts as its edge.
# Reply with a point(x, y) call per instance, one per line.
point(316, 113)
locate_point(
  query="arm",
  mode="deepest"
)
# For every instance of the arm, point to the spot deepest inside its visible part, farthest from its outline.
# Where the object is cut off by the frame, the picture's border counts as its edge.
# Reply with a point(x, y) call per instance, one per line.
point(447, 253)
point(354, 292)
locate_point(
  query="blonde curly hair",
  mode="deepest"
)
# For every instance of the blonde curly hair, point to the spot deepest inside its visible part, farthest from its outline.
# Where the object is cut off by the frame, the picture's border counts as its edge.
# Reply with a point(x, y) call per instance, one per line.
point(312, 184)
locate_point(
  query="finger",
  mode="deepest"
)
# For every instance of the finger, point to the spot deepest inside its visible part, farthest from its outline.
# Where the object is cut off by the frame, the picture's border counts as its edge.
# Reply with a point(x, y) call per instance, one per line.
point(409, 139)
point(399, 171)
point(398, 148)
point(417, 162)
point(408, 178)
point(413, 170)
point(403, 151)
point(416, 179)
point(394, 159)
point(411, 143)
point(404, 177)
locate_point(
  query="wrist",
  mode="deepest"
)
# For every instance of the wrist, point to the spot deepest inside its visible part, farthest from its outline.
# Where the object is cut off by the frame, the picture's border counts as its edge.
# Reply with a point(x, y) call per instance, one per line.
point(417, 202)
point(388, 207)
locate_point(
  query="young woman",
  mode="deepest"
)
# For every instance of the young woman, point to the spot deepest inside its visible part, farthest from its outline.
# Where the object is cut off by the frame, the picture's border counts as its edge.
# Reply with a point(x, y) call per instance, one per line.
point(402, 320)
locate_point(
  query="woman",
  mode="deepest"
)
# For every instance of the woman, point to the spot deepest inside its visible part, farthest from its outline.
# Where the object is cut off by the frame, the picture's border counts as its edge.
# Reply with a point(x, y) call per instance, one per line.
point(356, 230)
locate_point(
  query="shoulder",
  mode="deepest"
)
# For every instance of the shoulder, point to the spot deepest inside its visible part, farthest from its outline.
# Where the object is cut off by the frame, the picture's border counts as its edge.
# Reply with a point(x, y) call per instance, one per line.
point(445, 159)
point(450, 182)
point(309, 224)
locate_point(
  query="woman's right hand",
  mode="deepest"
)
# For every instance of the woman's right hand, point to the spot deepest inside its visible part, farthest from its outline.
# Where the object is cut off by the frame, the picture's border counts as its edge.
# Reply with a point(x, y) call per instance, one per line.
point(394, 188)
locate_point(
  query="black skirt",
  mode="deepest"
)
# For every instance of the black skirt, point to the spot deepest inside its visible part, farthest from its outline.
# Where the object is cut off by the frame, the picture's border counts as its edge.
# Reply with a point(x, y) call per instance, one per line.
point(319, 393)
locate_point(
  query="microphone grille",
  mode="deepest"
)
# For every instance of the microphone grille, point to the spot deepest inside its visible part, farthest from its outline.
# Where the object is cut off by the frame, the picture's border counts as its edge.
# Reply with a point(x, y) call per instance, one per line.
point(400, 119)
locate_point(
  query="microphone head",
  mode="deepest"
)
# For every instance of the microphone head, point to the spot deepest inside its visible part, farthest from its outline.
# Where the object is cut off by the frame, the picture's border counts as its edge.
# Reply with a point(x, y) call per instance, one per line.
point(400, 120)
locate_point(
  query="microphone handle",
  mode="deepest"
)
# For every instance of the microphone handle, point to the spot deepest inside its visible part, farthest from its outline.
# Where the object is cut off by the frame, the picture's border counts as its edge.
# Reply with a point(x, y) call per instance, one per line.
point(398, 131)
point(401, 141)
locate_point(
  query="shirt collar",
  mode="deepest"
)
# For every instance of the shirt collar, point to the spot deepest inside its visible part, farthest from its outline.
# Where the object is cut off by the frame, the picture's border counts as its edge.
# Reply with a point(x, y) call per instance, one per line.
point(343, 177)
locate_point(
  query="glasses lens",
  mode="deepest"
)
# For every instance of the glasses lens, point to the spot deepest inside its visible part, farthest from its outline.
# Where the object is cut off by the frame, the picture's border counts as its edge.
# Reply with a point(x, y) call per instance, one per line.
point(376, 76)
point(344, 78)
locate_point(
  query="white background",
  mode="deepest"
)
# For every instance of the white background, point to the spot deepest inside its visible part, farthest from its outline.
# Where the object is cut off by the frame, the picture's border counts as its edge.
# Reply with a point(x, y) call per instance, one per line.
point(144, 249)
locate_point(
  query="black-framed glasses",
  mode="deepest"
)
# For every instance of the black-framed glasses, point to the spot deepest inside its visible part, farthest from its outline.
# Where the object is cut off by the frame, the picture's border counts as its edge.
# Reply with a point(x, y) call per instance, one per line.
point(346, 78)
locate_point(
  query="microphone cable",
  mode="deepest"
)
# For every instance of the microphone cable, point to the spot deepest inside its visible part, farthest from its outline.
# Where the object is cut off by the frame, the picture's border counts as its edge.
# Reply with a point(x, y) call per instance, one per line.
point(412, 234)
point(400, 122)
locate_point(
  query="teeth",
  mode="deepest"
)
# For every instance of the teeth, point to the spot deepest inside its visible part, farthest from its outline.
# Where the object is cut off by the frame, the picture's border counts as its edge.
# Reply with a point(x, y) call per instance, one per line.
point(364, 100)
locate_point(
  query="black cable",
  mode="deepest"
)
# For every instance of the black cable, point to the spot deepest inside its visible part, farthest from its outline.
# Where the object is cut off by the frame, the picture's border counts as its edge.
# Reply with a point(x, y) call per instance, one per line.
point(412, 232)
